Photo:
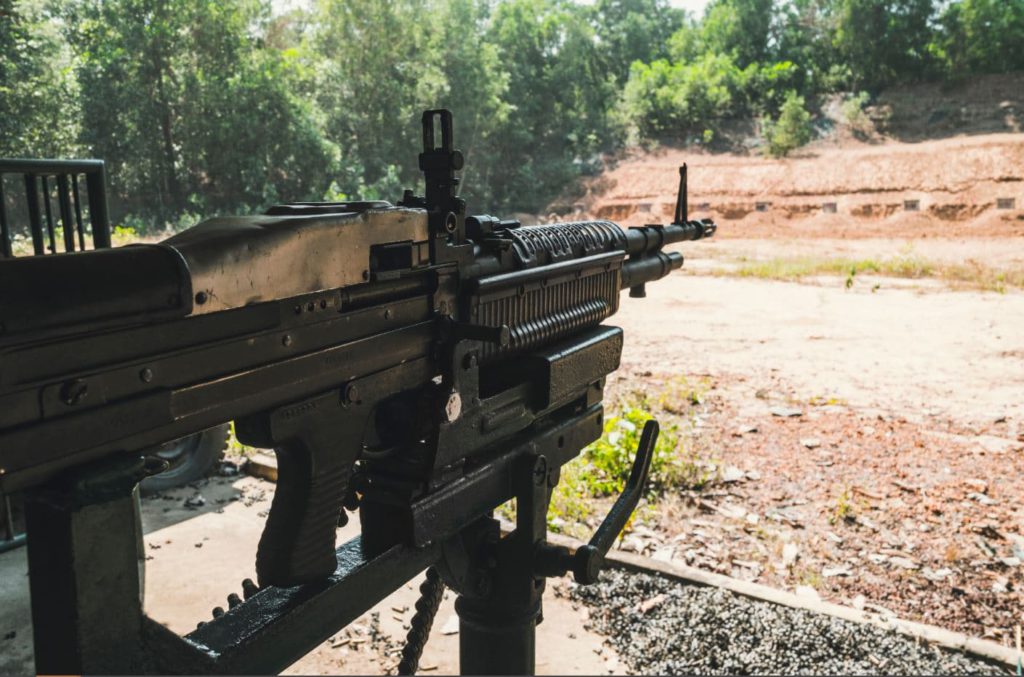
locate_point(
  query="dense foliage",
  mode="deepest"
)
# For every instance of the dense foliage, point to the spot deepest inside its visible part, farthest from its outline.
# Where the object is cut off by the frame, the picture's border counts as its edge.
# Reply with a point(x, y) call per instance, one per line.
point(791, 130)
point(204, 107)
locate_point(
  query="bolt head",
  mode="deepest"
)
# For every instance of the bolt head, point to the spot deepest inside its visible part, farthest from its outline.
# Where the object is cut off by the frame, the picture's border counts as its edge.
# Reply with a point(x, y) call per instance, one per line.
point(540, 470)
point(146, 375)
point(74, 391)
point(453, 407)
point(351, 394)
point(286, 340)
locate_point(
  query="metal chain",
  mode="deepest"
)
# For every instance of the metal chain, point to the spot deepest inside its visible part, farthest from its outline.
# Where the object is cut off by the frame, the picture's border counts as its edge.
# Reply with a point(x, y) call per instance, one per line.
point(431, 592)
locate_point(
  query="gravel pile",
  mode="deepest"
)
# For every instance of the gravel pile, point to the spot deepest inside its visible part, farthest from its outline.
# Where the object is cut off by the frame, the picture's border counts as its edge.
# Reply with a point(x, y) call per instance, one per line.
point(658, 626)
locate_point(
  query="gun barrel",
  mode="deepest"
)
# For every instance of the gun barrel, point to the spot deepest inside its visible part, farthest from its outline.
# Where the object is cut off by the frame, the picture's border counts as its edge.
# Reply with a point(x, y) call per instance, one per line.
point(650, 268)
point(645, 239)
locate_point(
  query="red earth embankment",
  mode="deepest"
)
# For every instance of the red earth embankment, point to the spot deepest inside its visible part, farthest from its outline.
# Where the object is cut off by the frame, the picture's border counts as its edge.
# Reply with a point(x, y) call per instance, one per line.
point(971, 186)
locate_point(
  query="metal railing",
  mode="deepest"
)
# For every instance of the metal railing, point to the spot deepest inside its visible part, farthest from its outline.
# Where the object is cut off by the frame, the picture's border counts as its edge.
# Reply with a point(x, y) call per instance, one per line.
point(42, 217)
point(46, 182)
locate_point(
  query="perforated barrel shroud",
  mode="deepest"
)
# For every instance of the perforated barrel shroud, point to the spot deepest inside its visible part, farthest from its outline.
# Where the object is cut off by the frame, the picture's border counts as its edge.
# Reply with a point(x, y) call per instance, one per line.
point(568, 280)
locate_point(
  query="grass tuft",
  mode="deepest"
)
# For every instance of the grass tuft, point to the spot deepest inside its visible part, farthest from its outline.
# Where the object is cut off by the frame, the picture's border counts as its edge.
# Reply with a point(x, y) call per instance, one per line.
point(971, 274)
point(601, 470)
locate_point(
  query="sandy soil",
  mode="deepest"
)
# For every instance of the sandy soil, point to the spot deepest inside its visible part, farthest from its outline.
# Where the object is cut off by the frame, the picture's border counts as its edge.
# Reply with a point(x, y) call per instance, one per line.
point(995, 252)
point(896, 482)
point(956, 354)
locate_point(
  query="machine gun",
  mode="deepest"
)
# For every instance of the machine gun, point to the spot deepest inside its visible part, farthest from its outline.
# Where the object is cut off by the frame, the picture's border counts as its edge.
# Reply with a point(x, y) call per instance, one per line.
point(410, 362)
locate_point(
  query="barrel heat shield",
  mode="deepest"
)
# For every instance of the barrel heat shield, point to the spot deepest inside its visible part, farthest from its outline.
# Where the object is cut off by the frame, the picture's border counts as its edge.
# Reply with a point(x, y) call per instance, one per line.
point(542, 245)
point(545, 303)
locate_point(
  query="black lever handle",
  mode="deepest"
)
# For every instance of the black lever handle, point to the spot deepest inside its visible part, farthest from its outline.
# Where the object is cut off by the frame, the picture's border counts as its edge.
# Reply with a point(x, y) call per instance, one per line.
point(586, 563)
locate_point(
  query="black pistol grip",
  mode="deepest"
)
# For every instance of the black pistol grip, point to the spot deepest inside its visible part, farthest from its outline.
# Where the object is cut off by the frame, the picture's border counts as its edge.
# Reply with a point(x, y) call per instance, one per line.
point(316, 446)
point(298, 541)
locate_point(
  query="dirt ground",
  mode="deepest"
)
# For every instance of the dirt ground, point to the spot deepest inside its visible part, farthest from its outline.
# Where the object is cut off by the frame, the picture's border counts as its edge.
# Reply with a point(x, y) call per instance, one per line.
point(868, 442)
point(896, 479)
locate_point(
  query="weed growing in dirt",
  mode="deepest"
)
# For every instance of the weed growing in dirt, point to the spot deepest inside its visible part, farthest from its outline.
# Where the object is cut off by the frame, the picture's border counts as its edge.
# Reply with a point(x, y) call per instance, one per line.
point(601, 470)
point(611, 457)
point(123, 235)
point(825, 400)
point(845, 509)
point(571, 503)
point(809, 577)
point(679, 396)
point(236, 449)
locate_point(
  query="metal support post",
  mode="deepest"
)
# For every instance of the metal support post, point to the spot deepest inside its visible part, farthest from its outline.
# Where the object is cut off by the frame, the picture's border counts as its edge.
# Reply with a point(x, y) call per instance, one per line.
point(84, 572)
point(497, 632)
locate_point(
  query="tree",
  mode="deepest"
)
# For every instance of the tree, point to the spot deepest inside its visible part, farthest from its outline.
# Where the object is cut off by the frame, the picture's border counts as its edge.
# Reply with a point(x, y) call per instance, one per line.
point(633, 30)
point(471, 82)
point(372, 69)
point(676, 99)
point(791, 130)
point(883, 41)
point(559, 96)
point(806, 30)
point(981, 36)
point(188, 110)
point(38, 95)
point(739, 28)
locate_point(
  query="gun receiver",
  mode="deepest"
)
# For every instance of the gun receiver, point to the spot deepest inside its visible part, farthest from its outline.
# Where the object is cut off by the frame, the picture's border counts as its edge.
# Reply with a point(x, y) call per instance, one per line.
point(409, 362)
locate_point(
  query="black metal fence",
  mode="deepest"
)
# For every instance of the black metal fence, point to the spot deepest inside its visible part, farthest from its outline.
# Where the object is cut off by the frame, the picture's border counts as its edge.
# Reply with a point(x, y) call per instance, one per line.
point(42, 201)
point(53, 208)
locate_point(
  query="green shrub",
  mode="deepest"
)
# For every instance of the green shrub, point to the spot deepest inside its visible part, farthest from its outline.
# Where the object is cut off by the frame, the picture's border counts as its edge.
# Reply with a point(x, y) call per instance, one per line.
point(854, 115)
point(791, 130)
point(610, 459)
point(677, 98)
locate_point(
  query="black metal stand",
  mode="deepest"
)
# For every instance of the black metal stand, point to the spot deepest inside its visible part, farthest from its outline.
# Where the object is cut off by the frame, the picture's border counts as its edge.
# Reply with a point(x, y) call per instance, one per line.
point(85, 585)
point(497, 625)
point(86, 591)
point(497, 630)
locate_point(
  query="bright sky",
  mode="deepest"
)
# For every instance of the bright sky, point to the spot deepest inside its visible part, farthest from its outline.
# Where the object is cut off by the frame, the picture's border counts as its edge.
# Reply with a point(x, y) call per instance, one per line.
point(694, 7)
